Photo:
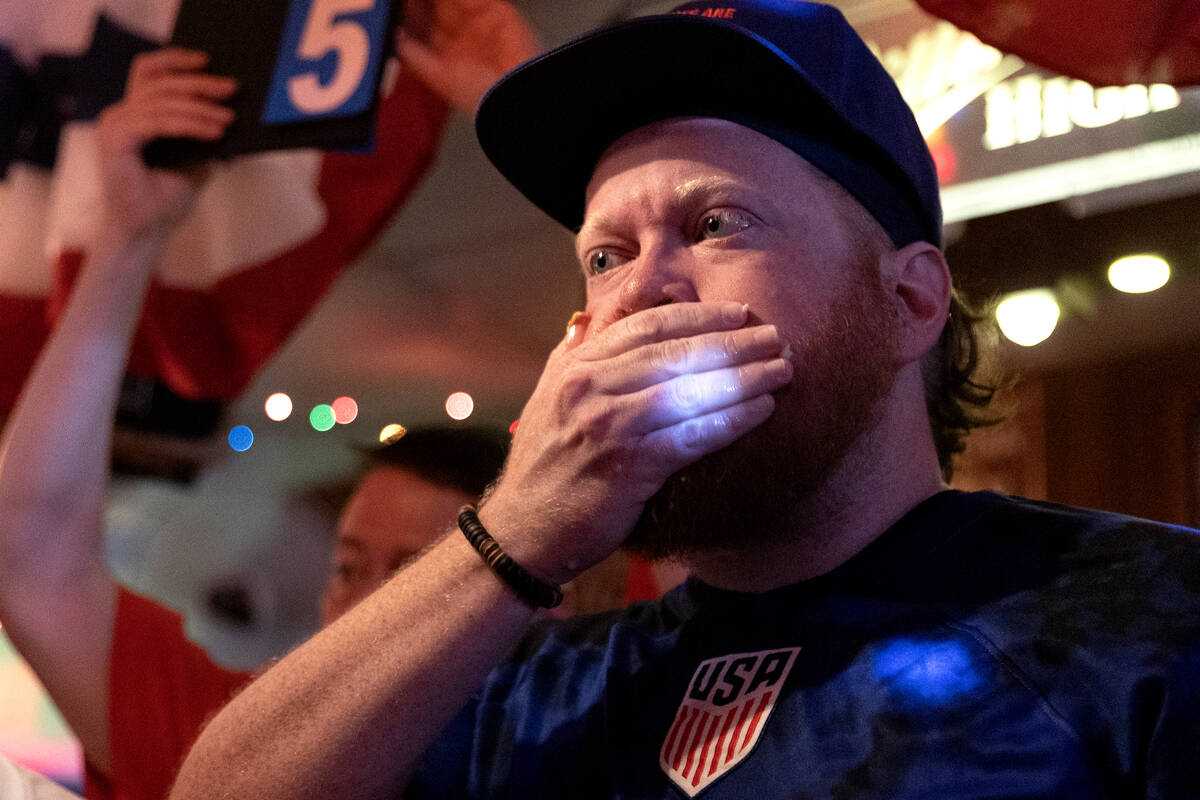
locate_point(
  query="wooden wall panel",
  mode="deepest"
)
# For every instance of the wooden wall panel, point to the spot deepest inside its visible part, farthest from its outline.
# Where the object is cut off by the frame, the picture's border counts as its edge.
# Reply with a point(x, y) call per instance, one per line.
point(1122, 436)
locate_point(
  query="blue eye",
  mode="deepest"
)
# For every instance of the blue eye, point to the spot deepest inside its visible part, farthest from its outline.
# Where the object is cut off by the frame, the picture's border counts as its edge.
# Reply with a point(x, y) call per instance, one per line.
point(600, 261)
point(724, 222)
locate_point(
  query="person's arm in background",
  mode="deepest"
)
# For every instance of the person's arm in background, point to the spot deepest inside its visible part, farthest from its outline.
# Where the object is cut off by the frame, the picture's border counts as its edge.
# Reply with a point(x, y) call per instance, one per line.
point(57, 598)
point(459, 48)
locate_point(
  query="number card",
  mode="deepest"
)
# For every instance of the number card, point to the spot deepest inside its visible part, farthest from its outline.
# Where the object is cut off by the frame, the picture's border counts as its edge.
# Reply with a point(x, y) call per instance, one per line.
point(308, 72)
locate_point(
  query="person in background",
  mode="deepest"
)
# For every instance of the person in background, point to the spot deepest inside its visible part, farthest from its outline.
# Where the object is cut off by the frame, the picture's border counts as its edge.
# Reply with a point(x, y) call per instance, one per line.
point(392, 512)
point(117, 665)
point(770, 383)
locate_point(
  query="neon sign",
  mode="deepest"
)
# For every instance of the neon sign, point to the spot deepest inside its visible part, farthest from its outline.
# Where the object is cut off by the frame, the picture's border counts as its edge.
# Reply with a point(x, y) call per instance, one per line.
point(1032, 107)
point(941, 70)
point(1017, 136)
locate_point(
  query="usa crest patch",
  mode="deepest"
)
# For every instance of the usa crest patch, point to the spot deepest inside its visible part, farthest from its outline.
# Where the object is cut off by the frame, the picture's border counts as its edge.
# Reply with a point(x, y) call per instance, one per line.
point(725, 708)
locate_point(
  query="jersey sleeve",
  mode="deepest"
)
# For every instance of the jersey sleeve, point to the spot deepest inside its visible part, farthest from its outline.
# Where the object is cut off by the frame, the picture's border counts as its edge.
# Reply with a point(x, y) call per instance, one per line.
point(1106, 629)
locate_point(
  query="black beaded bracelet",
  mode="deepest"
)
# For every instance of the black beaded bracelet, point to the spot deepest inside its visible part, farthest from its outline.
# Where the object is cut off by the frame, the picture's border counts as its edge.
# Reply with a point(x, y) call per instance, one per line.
point(534, 592)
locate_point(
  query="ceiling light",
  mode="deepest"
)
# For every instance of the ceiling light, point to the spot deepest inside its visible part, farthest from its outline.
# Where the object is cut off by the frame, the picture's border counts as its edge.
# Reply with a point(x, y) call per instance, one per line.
point(1139, 274)
point(1028, 317)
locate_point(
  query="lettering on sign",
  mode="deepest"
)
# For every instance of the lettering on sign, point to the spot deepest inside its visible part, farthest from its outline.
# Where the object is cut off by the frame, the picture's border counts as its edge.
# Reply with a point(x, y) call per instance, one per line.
point(1031, 107)
point(942, 70)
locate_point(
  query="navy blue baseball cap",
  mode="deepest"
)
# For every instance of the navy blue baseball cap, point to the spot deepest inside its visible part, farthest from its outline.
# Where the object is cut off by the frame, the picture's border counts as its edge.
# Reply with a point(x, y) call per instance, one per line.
point(791, 70)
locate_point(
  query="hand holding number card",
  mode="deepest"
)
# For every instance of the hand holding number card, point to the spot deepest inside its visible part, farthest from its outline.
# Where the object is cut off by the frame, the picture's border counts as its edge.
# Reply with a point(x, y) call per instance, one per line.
point(308, 71)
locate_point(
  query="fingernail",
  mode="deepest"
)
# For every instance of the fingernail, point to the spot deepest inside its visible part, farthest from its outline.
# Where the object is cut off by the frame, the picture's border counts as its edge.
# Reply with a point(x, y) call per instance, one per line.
point(575, 328)
point(734, 312)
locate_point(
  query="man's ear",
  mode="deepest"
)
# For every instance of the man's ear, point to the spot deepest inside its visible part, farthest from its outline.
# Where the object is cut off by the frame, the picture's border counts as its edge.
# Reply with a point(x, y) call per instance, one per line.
point(919, 279)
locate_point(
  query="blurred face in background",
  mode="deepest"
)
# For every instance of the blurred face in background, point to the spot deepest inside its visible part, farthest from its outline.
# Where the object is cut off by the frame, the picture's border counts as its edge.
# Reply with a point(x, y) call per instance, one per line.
point(392, 515)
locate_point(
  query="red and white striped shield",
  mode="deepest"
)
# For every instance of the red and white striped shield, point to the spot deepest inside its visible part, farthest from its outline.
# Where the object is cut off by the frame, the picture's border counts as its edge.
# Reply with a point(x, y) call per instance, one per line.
point(728, 702)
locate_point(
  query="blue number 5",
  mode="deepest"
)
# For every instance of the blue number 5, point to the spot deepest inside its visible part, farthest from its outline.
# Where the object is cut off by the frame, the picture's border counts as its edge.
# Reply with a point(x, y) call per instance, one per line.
point(329, 51)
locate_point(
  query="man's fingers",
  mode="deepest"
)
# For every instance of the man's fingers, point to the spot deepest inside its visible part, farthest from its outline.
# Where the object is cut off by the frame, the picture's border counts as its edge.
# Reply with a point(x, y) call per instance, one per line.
point(688, 440)
point(698, 394)
point(661, 361)
point(673, 321)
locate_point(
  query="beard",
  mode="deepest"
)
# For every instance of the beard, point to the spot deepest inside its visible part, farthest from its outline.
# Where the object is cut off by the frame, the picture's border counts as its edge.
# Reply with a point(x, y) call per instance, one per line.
point(751, 492)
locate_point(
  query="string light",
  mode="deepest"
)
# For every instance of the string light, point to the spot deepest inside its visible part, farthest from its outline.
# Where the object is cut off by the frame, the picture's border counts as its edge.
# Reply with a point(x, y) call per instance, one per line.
point(241, 438)
point(392, 433)
point(322, 417)
point(459, 405)
point(278, 407)
point(345, 410)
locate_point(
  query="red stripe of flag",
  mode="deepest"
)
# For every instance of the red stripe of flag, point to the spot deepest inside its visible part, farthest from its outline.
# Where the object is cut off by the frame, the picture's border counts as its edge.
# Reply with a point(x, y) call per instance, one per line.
point(669, 744)
point(702, 718)
point(746, 706)
point(762, 706)
point(23, 329)
point(725, 735)
point(715, 743)
point(705, 748)
point(683, 738)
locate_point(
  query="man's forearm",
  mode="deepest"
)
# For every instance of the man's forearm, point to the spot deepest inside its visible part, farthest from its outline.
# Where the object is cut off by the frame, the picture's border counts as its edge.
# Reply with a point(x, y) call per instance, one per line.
point(350, 713)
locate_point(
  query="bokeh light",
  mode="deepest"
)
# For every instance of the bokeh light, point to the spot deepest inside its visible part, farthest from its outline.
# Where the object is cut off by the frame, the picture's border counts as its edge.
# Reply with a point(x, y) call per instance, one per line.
point(345, 410)
point(459, 405)
point(392, 433)
point(512, 429)
point(945, 162)
point(1139, 274)
point(1028, 317)
point(240, 438)
point(322, 417)
point(278, 407)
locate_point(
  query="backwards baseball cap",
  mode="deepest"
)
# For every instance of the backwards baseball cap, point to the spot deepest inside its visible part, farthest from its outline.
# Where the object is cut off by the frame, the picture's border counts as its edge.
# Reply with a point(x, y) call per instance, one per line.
point(791, 70)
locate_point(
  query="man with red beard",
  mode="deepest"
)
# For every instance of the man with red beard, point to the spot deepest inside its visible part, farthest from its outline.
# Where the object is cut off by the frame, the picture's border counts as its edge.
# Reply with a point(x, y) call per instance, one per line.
point(769, 384)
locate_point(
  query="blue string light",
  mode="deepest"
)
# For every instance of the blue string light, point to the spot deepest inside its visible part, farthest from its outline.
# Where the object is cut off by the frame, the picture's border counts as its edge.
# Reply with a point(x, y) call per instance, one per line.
point(240, 438)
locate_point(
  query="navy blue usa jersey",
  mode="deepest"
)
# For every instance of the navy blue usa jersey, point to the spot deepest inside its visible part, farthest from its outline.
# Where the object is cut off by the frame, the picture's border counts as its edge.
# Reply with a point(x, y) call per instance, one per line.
point(983, 647)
